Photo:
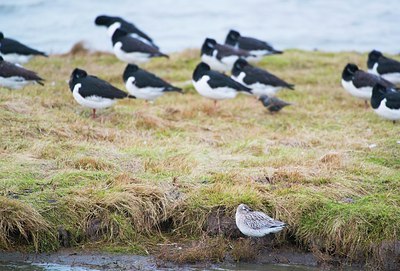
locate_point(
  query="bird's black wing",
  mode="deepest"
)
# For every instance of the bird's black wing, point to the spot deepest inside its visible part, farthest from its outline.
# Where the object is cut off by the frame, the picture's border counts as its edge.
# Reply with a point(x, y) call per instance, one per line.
point(9, 46)
point(254, 75)
point(218, 80)
point(247, 43)
point(226, 50)
point(393, 99)
point(387, 65)
point(147, 79)
point(93, 86)
point(131, 28)
point(363, 79)
point(8, 70)
point(130, 44)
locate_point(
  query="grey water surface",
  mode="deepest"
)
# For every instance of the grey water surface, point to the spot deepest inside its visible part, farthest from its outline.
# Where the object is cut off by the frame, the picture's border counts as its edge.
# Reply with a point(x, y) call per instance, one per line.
point(360, 25)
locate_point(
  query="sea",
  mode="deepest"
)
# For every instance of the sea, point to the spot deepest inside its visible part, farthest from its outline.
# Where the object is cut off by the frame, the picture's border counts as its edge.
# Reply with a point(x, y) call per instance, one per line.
point(54, 26)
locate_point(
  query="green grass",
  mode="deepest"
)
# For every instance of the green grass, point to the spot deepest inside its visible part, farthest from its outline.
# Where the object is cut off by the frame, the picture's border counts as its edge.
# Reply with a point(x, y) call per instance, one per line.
point(112, 182)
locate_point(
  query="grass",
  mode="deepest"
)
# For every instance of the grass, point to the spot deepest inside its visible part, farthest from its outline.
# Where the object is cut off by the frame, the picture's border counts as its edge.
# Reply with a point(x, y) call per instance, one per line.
point(140, 175)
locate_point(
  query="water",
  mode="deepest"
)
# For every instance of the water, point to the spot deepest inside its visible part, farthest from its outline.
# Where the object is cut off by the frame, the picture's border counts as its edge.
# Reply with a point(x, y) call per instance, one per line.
point(55, 25)
point(9, 266)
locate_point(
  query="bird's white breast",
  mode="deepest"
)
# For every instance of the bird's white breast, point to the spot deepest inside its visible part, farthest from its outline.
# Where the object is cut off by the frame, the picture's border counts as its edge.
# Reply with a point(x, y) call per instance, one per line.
point(16, 58)
point(387, 113)
point(93, 101)
point(220, 93)
point(362, 93)
point(132, 57)
point(14, 82)
point(214, 63)
point(145, 93)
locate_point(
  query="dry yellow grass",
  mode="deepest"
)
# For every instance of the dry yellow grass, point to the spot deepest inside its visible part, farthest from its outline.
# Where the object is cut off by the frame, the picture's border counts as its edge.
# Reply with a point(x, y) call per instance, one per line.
point(124, 174)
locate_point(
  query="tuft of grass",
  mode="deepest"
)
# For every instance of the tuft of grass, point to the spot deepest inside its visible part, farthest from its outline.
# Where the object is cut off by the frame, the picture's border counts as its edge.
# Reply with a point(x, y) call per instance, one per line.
point(206, 250)
point(20, 223)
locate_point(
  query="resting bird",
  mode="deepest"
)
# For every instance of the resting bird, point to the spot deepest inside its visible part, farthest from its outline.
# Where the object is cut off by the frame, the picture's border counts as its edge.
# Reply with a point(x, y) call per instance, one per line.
point(386, 102)
point(16, 52)
point(256, 224)
point(112, 23)
point(273, 104)
point(16, 77)
point(260, 81)
point(90, 91)
point(387, 68)
point(221, 57)
point(256, 47)
point(359, 83)
point(145, 85)
point(132, 50)
point(215, 85)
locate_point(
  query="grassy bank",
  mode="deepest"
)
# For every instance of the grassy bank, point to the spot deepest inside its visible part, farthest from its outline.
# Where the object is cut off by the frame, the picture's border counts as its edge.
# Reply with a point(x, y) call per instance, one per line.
point(141, 174)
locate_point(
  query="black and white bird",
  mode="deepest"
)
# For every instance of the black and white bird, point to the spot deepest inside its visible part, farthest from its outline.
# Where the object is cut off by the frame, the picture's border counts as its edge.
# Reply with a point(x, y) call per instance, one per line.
point(112, 23)
point(221, 57)
point(256, 47)
point(273, 104)
point(16, 77)
point(93, 92)
point(256, 224)
point(215, 85)
point(132, 50)
point(359, 83)
point(145, 85)
point(386, 102)
point(387, 68)
point(15, 52)
point(260, 81)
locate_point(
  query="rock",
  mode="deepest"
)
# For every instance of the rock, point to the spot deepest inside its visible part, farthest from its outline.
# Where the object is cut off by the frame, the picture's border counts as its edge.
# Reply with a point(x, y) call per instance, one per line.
point(389, 255)
point(64, 237)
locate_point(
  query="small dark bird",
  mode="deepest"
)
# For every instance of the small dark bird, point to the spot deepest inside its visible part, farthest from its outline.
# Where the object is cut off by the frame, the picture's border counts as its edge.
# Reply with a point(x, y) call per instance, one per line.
point(387, 68)
point(16, 77)
point(16, 52)
point(221, 57)
point(145, 85)
point(132, 50)
point(260, 81)
point(215, 85)
point(359, 83)
point(386, 102)
point(254, 46)
point(112, 23)
point(90, 91)
point(273, 104)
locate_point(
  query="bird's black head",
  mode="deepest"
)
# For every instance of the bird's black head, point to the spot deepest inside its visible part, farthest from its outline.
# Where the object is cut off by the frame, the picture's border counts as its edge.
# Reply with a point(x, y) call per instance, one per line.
point(118, 34)
point(76, 75)
point(378, 94)
point(208, 46)
point(105, 20)
point(129, 70)
point(1, 59)
point(373, 57)
point(232, 38)
point(1, 36)
point(200, 70)
point(238, 66)
point(349, 71)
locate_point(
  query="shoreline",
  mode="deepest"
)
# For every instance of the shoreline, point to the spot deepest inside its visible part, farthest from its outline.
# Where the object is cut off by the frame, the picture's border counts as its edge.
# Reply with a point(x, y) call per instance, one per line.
point(116, 261)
